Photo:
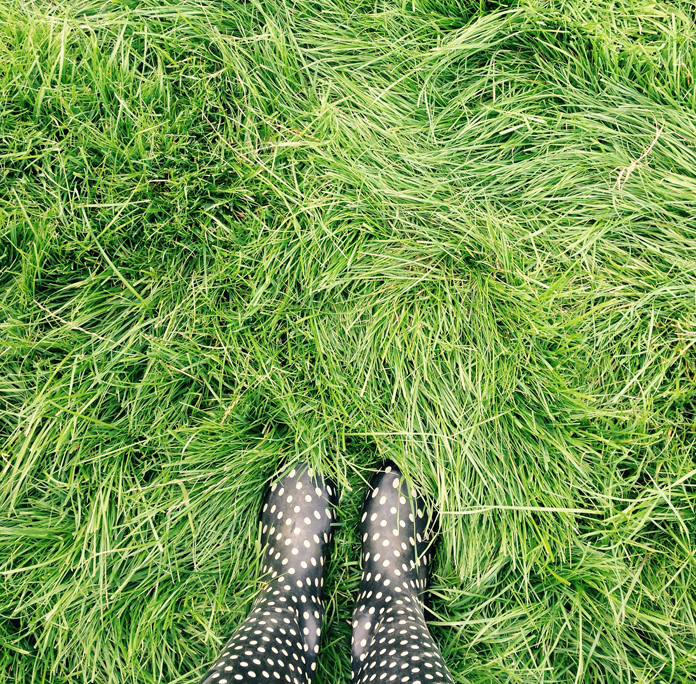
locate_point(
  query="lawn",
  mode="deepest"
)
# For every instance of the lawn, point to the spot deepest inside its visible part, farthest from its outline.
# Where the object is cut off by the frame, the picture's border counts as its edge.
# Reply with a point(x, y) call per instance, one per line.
point(460, 235)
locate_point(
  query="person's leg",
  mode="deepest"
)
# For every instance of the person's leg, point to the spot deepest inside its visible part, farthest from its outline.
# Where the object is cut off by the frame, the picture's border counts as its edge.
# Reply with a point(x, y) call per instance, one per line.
point(391, 641)
point(279, 640)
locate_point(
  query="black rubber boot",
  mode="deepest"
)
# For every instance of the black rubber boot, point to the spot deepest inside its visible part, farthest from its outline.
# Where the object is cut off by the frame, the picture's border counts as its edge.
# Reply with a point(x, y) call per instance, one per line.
point(391, 641)
point(279, 640)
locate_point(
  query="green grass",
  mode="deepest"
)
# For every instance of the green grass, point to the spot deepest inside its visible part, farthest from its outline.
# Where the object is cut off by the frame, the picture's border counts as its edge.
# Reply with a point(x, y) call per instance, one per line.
point(236, 234)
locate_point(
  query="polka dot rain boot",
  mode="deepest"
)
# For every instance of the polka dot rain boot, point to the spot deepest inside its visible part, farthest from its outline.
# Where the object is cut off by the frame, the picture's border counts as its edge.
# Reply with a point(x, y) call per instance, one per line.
point(279, 640)
point(391, 641)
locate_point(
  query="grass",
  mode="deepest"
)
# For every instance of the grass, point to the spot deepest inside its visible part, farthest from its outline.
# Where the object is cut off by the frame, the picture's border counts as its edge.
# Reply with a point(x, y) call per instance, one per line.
point(460, 235)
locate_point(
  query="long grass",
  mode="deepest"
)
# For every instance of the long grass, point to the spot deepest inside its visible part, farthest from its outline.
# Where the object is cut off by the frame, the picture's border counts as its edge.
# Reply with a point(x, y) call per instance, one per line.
point(460, 235)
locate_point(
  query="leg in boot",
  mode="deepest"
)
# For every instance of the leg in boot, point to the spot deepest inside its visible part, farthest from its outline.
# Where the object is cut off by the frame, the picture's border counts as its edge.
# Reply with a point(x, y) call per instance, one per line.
point(391, 641)
point(279, 640)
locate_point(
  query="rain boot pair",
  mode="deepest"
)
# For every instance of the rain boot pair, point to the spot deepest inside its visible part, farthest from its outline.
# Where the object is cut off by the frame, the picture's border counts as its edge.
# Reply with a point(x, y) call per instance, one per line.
point(279, 640)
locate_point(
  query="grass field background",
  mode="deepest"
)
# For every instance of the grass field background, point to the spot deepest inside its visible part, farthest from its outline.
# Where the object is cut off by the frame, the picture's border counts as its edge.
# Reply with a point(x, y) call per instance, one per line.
point(460, 235)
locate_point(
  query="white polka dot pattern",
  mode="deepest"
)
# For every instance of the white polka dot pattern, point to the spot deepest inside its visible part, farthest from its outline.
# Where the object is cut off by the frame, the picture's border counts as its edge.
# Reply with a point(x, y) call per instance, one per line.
point(391, 641)
point(279, 640)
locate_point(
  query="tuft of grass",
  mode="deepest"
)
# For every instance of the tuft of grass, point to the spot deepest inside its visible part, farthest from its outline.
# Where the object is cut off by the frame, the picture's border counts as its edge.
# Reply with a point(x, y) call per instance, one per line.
point(237, 234)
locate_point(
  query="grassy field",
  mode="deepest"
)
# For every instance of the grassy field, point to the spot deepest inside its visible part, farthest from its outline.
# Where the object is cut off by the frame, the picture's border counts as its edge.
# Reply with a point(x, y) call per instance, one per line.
point(460, 235)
